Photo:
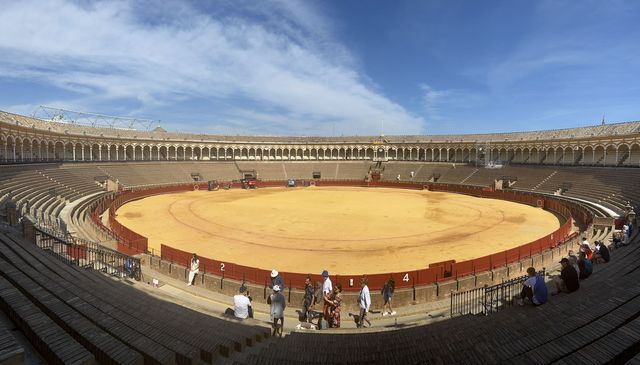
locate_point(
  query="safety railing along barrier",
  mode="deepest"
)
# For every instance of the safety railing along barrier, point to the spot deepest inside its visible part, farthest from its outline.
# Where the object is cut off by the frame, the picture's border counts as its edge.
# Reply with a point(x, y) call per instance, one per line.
point(87, 254)
point(489, 298)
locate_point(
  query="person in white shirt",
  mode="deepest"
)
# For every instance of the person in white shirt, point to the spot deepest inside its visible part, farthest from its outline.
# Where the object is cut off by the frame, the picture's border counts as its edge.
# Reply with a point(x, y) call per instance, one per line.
point(364, 300)
point(327, 287)
point(193, 270)
point(585, 242)
point(327, 290)
point(241, 304)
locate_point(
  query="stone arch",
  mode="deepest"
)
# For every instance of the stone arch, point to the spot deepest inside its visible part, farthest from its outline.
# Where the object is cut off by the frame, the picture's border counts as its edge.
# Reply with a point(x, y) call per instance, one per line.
point(146, 153)
point(25, 150)
point(393, 154)
point(113, 152)
point(558, 155)
point(11, 148)
point(634, 155)
point(502, 154)
point(428, 154)
point(120, 152)
point(517, 156)
point(78, 151)
point(128, 152)
point(104, 152)
point(3, 148)
point(18, 149)
point(611, 156)
point(534, 156)
point(43, 150)
point(473, 155)
point(68, 151)
point(163, 152)
point(598, 158)
point(588, 155)
point(182, 154)
point(369, 153)
point(568, 156)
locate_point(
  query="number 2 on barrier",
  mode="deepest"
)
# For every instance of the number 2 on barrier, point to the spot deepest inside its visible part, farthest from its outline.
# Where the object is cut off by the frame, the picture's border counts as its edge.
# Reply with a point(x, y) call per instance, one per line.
point(405, 278)
point(222, 266)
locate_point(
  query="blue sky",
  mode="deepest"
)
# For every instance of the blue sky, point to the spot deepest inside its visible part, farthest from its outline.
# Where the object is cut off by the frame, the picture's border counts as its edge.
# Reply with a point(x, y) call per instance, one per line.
point(342, 67)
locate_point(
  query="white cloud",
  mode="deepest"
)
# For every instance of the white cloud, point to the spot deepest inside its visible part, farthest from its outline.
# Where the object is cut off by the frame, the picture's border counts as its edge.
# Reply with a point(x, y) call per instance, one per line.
point(443, 106)
point(291, 70)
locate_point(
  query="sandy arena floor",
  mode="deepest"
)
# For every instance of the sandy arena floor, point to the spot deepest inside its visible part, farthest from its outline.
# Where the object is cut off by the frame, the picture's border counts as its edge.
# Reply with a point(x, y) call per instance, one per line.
point(344, 230)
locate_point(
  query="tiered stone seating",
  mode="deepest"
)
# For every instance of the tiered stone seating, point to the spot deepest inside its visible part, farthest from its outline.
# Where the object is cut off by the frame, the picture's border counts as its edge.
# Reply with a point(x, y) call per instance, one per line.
point(114, 322)
point(300, 170)
point(266, 170)
point(75, 182)
point(352, 170)
point(598, 324)
point(355, 170)
point(11, 352)
point(451, 175)
point(404, 169)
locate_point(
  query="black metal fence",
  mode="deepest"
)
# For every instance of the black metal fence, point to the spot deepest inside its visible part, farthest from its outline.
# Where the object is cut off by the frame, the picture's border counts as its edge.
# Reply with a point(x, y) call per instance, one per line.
point(87, 254)
point(489, 298)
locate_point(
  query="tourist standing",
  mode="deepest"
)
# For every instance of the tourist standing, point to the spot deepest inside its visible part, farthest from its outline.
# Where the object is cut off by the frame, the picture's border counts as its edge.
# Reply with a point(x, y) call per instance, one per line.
point(327, 291)
point(278, 304)
point(387, 296)
point(335, 302)
point(364, 300)
point(308, 300)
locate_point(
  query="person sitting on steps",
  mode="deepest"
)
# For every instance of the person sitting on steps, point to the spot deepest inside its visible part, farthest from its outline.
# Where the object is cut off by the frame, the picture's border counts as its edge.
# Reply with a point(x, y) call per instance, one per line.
point(534, 289)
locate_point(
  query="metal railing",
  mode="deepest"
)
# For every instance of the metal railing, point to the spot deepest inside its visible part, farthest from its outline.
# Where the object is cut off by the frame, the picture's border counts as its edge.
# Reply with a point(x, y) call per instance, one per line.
point(87, 254)
point(489, 298)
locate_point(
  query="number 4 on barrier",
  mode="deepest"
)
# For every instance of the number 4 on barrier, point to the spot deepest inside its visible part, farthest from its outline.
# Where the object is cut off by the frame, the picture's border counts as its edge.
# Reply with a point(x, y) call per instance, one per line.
point(222, 266)
point(405, 278)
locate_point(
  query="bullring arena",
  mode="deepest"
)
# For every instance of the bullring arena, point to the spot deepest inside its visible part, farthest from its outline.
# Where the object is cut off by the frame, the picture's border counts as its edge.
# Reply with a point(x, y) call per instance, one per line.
point(346, 230)
point(99, 225)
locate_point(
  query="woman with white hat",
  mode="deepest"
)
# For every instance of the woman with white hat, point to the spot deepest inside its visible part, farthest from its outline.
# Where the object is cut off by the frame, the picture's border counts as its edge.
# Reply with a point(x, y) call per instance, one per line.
point(278, 304)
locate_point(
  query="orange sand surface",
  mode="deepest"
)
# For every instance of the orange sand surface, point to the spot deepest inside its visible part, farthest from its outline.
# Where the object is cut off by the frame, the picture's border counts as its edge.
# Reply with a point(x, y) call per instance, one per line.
point(345, 230)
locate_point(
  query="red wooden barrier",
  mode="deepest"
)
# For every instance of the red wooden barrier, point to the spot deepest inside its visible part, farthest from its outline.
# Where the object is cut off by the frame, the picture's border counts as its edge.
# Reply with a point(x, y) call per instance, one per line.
point(482, 264)
point(463, 268)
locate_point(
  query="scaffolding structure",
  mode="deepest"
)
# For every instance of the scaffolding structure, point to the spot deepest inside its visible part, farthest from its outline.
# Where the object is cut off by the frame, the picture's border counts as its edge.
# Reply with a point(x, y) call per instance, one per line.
point(92, 119)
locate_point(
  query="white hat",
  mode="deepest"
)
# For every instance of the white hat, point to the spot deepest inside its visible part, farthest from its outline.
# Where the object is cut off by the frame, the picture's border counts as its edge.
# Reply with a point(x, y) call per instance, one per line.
point(274, 273)
point(276, 288)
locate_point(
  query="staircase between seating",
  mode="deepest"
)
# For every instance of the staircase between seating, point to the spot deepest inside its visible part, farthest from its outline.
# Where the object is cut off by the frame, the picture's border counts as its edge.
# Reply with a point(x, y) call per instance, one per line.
point(545, 180)
point(470, 175)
